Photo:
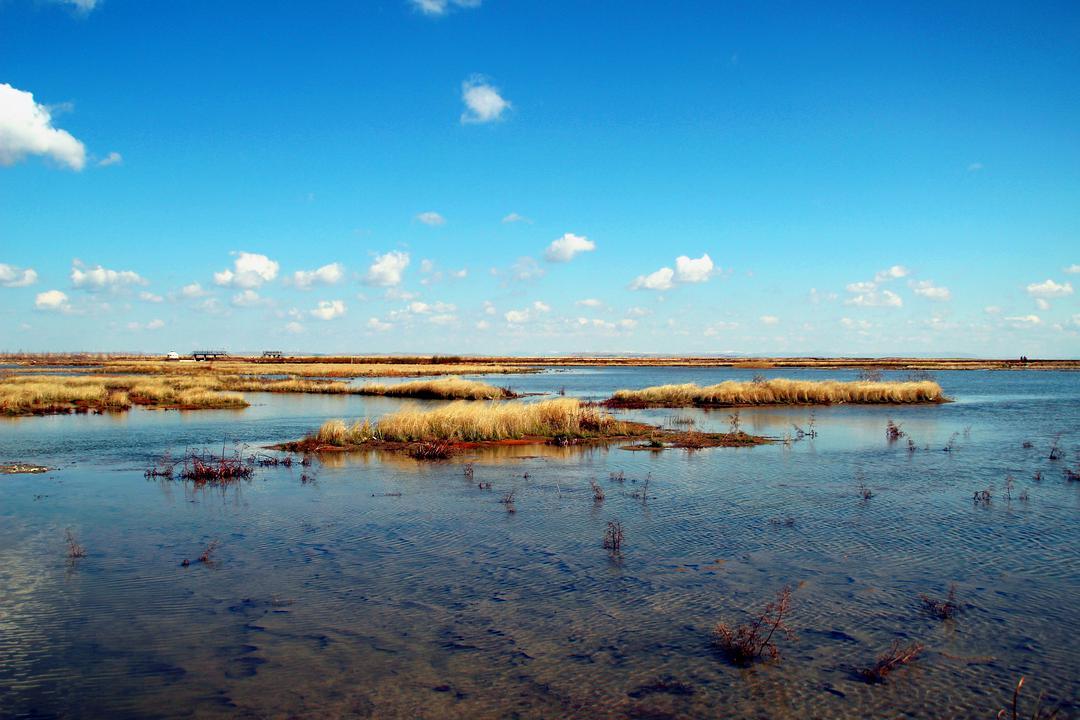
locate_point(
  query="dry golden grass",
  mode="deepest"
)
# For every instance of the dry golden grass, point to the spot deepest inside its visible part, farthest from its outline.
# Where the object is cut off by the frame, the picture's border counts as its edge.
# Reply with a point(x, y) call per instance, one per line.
point(464, 421)
point(451, 388)
point(779, 392)
point(52, 394)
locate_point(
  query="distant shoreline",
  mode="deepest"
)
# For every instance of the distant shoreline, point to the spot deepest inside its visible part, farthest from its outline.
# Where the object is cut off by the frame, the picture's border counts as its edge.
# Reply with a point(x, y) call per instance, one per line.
point(745, 363)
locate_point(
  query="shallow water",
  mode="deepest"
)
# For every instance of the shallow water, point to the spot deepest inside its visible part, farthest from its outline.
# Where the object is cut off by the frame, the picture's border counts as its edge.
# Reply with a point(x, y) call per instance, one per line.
point(342, 598)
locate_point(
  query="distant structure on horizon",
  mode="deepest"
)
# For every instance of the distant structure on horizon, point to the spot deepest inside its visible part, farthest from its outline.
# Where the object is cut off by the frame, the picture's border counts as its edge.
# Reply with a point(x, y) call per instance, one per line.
point(275, 354)
point(200, 355)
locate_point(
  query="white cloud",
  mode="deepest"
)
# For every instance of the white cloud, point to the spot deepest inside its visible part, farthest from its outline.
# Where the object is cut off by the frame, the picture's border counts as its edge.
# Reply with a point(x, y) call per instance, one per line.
point(155, 324)
point(769, 320)
point(100, 278)
point(423, 308)
point(483, 103)
point(53, 300)
point(150, 297)
point(294, 327)
point(1024, 321)
point(627, 324)
point(817, 297)
point(329, 309)
point(482, 325)
point(540, 306)
point(893, 273)
point(113, 158)
point(688, 270)
point(192, 290)
point(927, 289)
point(26, 129)
point(432, 8)
point(861, 287)
point(387, 269)
point(378, 325)
point(1042, 304)
point(590, 303)
point(856, 324)
point(431, 218)
point(326, 275)
point(718, 328)
point(526, 269)
point(659, 280)
point(247, 298)
point(442, 319)
point(1049, 289)
point(565, 248)
point(250, 270)
point(517, 317)
point(1073, 269)
point(638, 312)
point(12, 277)
point(489, 307)
point(992, 310)
point(885, 298)
point(515, 218)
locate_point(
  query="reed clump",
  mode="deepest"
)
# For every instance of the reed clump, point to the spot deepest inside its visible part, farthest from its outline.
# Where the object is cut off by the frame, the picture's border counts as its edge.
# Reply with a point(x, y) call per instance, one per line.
point(464, 421)
point(779, 392)
point(40, 394)
point(451, 388)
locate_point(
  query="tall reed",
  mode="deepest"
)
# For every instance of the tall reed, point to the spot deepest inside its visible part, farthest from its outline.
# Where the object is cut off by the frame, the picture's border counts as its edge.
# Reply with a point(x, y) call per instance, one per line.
point(779, 392)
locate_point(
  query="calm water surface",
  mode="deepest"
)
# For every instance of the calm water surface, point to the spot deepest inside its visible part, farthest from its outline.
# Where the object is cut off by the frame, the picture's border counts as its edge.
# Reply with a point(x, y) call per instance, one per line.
point(342, 598)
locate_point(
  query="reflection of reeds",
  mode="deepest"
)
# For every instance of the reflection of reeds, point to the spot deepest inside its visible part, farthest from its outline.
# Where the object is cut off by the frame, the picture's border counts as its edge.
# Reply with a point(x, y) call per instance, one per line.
point(463, 421)
point(779, 392)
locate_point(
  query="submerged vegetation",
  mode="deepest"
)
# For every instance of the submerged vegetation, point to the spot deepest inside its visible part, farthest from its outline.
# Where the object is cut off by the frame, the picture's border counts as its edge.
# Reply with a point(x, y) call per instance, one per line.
point(779, 392)
point(752, 641)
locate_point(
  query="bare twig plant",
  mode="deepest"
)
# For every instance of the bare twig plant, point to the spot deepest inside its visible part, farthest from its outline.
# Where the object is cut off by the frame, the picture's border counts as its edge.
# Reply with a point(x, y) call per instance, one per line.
point(946, 609)
point(597, 491)
point(75, 550)
point(1013, 713)
point(895, 657)
point(745, 644)
point(613, 537)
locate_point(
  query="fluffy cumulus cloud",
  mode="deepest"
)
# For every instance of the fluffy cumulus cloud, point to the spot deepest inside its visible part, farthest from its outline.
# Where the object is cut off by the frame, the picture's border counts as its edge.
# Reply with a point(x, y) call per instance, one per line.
point(101, 278)
point(192, 290)
point(26, 128)
point(687, 270)
point(1049, 289)
point(483, 103)
point(930, 291)
point(590, 303)
point(690, 270)
point(520, 317)
point(1073, 269)
point(329, 309)
point(387, 269)
point(326, 275)
point(13, 277)
point(52, 300)
point(893, 273)
point(250, 270)
point(431, 8)
point(431, 218)
point(247, 298)
point(770, 320)
point(150, 297)
point(659, 280)
point(569, 245)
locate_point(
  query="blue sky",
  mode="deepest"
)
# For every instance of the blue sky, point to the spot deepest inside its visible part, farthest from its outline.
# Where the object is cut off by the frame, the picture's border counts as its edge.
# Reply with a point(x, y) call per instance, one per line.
point(527, 177)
